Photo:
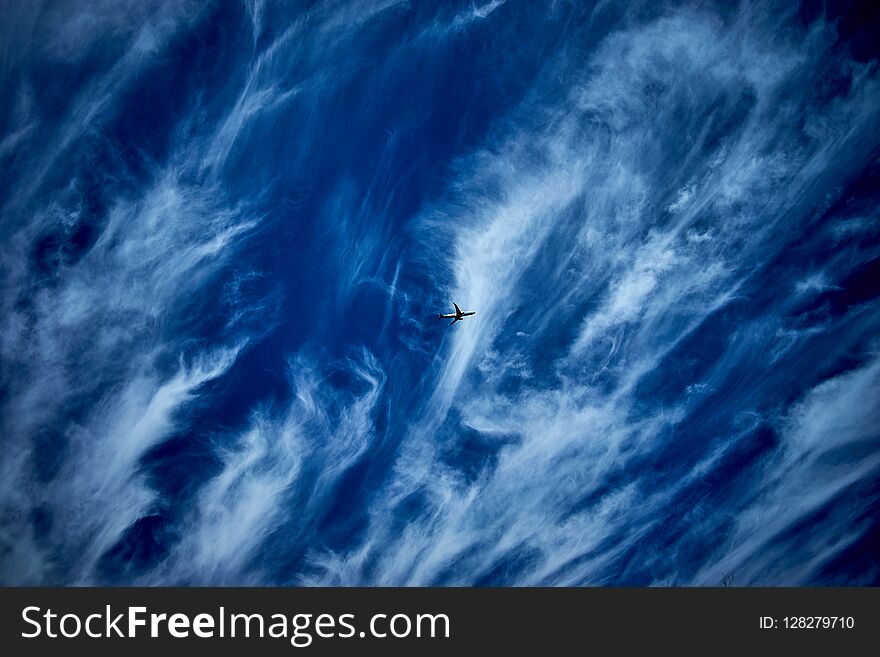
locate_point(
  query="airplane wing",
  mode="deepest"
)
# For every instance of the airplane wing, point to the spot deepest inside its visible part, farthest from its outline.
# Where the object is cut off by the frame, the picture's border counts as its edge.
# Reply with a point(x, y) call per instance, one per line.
point(453, 321)
point(457, 309)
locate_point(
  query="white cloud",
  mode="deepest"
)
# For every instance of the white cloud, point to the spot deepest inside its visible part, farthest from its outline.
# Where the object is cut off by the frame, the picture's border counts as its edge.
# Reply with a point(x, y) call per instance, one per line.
point(593, 172)
point(802, 479)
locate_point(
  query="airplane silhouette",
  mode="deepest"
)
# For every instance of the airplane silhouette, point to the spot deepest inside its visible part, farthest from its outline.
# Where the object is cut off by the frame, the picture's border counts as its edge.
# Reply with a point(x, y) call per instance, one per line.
point(458, 315)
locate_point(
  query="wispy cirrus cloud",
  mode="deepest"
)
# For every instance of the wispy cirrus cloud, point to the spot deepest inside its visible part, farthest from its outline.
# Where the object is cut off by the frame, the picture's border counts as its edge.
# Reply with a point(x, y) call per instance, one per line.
point(663, 224)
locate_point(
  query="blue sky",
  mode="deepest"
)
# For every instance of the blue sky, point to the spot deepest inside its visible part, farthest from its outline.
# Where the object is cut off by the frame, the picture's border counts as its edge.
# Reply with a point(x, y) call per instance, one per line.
point(227, 229)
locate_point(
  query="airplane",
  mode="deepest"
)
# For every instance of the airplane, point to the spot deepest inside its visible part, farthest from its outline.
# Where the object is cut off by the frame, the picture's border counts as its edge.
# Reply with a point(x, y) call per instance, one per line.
point(458, 315)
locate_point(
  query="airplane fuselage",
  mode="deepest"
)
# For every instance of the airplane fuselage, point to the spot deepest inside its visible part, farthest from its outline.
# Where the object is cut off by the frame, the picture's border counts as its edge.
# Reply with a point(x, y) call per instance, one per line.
point(457, 316)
